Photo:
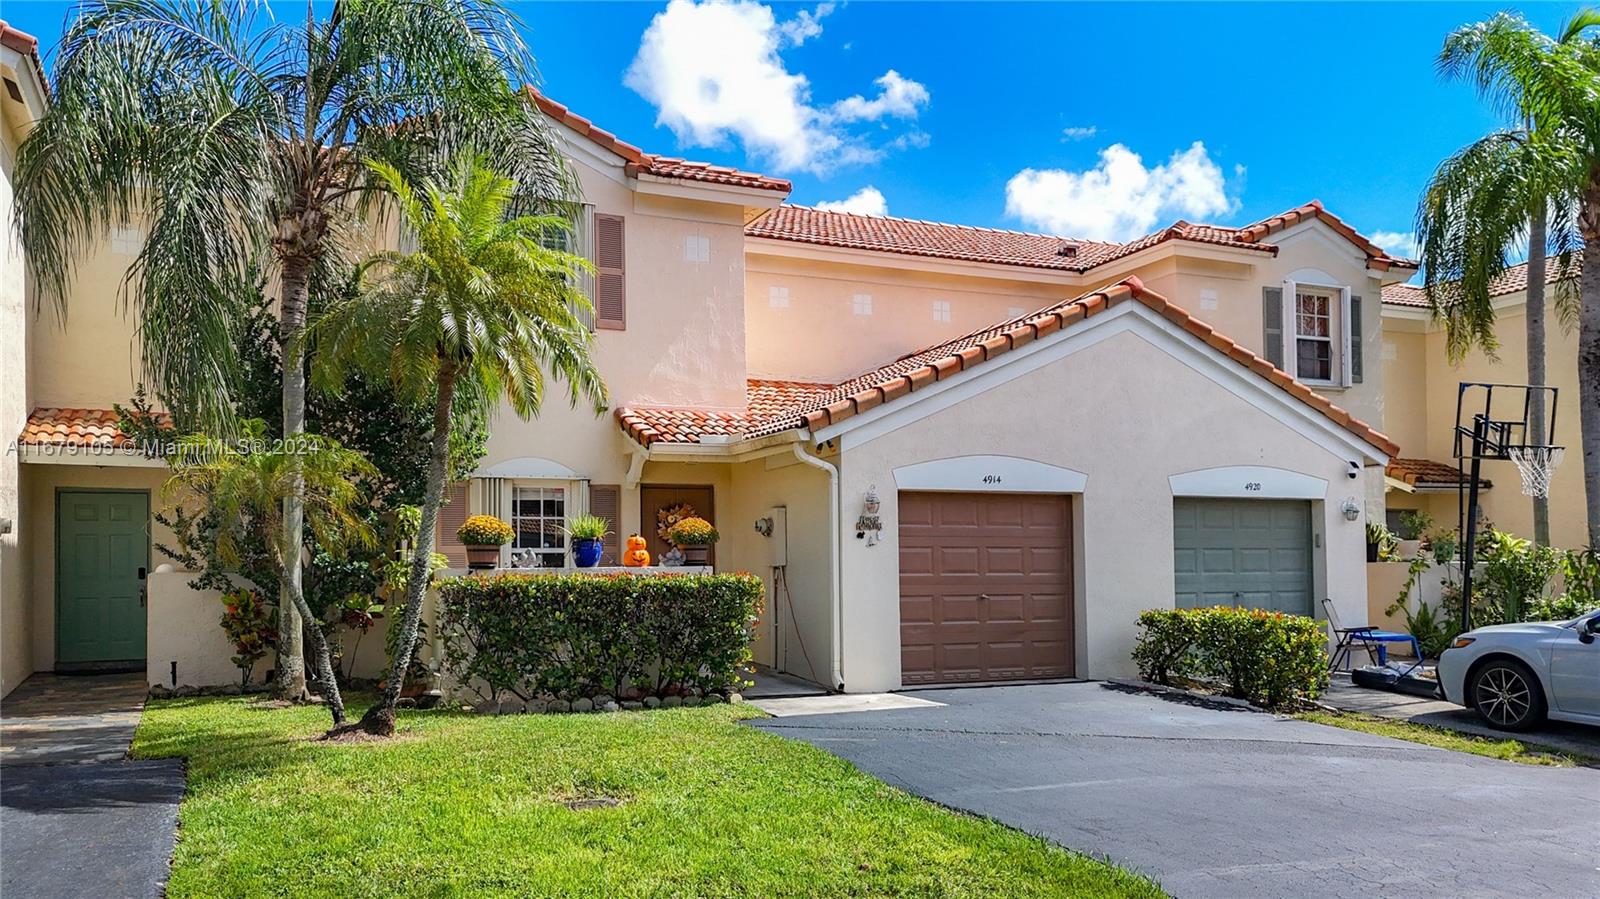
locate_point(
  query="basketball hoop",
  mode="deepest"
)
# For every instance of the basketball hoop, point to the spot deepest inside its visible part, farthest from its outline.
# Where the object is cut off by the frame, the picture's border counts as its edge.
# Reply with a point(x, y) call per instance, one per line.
point(1535, 464)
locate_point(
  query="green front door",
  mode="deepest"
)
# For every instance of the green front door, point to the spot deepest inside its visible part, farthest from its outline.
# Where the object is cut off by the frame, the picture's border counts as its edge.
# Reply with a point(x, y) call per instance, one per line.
point(1254, 553)
point(102, 543)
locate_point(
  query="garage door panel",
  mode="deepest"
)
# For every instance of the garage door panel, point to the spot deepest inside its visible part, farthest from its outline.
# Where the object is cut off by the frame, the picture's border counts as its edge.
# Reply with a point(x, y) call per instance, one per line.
point(1013, 550)
point(1253, 553)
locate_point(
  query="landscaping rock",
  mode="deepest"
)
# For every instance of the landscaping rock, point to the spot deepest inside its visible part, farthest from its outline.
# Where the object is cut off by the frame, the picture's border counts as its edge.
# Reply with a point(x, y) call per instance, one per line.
point(405, 702)
point(537, 706)
point(691, 701)
point(736, 698)
point(611, 707)
point(186, 690)
point(512, 706)
point(652, 702)
point(712, 698)
point(487, 706)
point(159, 691)
point(583, 705)
point(672, 702)
point(632, 705)
point(558, 706)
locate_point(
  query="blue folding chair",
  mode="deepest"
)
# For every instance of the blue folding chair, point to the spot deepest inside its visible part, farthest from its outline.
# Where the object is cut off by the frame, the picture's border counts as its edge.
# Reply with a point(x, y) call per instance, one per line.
point(1367, 638)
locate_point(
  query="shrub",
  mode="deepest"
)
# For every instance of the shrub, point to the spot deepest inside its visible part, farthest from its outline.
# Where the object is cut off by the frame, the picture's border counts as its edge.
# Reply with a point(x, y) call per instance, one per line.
point(589, 527)
point(1268, 658)
point(1516, 575)
point(1414, 524)
point(575, 635)
point(693, 532)
point(484, 530)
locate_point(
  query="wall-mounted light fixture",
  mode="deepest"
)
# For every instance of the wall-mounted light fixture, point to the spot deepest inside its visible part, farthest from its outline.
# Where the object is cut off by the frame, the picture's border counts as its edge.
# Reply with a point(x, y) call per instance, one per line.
point(1351, 509)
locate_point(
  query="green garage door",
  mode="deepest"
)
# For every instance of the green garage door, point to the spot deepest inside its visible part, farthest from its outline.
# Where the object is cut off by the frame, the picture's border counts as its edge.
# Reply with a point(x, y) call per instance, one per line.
point(1243, 552)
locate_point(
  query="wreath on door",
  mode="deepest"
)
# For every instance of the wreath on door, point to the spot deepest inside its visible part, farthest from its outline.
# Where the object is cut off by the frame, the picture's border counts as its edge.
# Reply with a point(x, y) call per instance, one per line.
point(667, 516)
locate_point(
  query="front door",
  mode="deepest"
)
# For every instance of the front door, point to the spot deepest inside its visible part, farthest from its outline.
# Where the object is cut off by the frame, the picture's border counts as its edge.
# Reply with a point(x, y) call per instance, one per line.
point(102, 546)
point(656, 498)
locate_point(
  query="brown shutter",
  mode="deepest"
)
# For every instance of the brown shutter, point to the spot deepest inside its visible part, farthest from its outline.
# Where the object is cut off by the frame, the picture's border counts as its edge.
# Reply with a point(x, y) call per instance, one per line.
point(1272, 325)
point(451, 518)
point(605, 501)
point(610, 254)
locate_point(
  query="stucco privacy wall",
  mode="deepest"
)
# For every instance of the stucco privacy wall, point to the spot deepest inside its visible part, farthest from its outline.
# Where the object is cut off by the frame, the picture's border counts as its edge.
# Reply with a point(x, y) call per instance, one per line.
point(16, 661)
point(1128, 414)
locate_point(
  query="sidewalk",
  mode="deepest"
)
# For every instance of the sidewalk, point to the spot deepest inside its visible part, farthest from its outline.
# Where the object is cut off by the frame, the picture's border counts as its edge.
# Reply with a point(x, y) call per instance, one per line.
point(79, 818)
point(1347, 697)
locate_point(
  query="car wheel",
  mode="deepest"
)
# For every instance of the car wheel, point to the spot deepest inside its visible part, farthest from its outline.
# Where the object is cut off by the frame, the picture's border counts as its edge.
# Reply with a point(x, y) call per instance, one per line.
point(1507, 696)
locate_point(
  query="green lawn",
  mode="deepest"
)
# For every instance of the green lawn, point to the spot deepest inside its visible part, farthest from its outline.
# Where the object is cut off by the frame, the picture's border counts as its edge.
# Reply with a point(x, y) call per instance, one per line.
point(1506, 749)
point(469, 805)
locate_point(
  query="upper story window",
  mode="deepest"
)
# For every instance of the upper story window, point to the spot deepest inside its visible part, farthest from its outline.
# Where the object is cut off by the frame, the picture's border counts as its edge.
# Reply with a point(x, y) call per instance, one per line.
point(941, 310)
point(778, 297)
point(697, 248)
point(861, 304)
point(580, 241)
point(539, 518)
point(1313, 334)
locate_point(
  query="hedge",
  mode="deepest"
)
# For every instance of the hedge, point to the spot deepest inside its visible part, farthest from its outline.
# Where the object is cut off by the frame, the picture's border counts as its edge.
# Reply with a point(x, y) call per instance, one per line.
point(1268, 658)
point(574, 635)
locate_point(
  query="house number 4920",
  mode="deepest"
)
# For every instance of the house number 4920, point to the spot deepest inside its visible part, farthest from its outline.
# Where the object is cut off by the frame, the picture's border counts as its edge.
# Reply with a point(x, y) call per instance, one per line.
point(1253, 486)
point(991, 479)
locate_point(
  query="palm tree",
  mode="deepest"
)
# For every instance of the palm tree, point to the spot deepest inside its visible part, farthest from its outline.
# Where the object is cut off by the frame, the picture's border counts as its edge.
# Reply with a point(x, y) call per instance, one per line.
point(481, 310)
point(1491, 197)
point(236, 137)
point(245, 483)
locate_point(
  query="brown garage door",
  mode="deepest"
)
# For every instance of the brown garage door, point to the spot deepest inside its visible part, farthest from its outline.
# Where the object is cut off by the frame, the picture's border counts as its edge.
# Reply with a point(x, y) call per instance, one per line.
point(985, 587)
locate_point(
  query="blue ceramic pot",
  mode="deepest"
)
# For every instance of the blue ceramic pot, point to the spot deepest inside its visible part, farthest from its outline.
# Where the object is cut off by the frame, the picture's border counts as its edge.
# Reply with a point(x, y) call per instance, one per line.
point(586, 553)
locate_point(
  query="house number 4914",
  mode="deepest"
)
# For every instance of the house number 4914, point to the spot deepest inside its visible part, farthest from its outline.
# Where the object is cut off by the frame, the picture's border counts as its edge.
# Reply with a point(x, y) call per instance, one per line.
point(991, 479)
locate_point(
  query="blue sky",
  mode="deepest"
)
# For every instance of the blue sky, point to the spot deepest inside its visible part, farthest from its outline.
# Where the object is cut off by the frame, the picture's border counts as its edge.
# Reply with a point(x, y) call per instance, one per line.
point(1098, 121)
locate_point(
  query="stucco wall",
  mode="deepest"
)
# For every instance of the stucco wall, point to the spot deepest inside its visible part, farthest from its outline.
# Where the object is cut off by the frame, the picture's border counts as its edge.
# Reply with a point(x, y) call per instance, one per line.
point(16, 661)
point(1128, 415)
point(819, 337)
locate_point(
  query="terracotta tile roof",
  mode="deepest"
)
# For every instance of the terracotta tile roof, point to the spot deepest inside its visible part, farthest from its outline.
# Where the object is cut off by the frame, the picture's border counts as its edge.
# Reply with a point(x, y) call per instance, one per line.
point(1428, 473)
point(1512, 280)
point(1377, 257)
point(817, 406)
point(27, 45)
point(650, 163)
point(769, 403)
point(76, 427)
point(912, 237)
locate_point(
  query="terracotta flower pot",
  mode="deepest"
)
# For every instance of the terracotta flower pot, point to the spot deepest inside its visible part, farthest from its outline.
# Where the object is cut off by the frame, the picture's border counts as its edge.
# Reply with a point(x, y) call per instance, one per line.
point(481, 556)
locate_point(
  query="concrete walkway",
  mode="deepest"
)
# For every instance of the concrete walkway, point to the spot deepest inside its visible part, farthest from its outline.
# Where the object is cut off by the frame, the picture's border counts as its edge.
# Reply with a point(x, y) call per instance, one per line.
point(1346, 697)
point(1231, 803)
point(77, 818)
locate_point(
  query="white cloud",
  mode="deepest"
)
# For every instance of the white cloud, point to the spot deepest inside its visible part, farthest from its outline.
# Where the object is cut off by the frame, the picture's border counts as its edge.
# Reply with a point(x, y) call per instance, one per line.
point(1079, 133)
point(714, 73)
point(1400, 243)
point(806, 25)
point(899, 97)
point(866, 201)
point(1119, 198)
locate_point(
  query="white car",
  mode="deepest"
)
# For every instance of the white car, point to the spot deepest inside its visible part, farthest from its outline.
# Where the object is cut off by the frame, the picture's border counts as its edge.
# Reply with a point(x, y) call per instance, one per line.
point(1517, 675)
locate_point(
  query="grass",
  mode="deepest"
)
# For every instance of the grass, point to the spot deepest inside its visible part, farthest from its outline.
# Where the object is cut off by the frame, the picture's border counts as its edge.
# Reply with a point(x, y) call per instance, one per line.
point(462, 805)
point(1507, 749)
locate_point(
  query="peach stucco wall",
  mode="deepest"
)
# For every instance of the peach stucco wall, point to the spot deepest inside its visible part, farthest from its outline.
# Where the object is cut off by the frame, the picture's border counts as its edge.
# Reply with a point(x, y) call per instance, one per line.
point(1119, 431)
point(16, 661)
point(1435, 394)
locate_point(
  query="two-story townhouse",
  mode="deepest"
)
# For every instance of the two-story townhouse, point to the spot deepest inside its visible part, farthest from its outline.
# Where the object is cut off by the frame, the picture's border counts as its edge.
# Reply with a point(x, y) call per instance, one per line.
point(955, 454)
point(1421, 384)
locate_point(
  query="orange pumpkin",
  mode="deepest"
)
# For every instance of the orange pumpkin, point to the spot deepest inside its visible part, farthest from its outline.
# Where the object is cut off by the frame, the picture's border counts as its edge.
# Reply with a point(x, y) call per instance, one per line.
point(636, 555)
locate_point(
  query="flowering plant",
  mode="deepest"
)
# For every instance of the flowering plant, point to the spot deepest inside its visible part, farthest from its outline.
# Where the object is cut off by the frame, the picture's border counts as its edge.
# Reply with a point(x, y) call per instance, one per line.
point(484, 530)
point(693, 532)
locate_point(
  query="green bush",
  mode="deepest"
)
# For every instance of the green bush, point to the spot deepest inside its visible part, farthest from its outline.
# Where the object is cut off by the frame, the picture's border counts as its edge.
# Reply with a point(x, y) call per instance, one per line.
point(1268, 658)
point(573, 635)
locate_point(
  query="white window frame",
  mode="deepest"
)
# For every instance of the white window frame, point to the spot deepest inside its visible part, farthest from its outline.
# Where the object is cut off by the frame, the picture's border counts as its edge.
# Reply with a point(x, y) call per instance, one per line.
point(1339, 343)
point(569, 495)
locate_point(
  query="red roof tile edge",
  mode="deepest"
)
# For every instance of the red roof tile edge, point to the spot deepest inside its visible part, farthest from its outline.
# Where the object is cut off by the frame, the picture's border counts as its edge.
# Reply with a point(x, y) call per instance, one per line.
point(53, 426)
point(638, 161)
point(890, 382)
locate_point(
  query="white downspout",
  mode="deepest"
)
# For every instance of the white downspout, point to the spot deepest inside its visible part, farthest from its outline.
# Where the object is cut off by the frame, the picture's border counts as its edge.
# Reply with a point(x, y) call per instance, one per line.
point(836, 573)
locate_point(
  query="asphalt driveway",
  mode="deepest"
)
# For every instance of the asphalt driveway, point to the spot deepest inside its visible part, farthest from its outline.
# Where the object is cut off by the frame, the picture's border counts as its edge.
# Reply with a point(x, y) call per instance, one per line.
point(1232, 803)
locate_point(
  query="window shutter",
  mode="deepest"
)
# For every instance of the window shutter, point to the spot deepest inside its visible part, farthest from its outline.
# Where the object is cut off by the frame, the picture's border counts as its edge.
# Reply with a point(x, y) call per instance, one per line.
point(451, 517)
point(610, 294)
point(1272, 324)
point(1355, 340)
point(605, 501)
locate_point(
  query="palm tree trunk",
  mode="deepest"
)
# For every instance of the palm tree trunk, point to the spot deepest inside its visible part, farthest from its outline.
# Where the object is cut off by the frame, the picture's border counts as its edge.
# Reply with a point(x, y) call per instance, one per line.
point(1537, 241)
point(319, 645)
point(380, 718)
point(291, 681)
point(1589, 361)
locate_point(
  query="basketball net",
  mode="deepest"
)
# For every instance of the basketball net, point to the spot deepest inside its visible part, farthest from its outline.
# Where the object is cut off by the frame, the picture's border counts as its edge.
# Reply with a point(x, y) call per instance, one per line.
point(1535, 464)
